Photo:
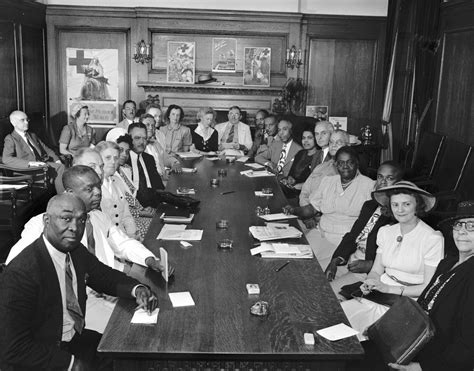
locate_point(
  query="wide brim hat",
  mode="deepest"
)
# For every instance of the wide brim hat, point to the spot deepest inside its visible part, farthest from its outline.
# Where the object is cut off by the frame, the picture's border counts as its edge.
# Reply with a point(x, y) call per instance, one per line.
point(114, 134)
point(381, 195)
point(465, 209)
point(204, 79)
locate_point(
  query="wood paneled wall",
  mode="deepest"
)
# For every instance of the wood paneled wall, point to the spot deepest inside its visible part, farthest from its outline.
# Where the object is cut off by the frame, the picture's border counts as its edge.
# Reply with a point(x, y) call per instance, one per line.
point(345, 66)
point(454, 94)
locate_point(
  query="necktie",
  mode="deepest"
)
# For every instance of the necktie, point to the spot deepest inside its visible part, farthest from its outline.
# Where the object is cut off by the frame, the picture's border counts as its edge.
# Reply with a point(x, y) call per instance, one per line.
point(281, 161)
point(72, 304)
point(230, 137)
point(90, 237)
point(141, 176)
point(37, 153)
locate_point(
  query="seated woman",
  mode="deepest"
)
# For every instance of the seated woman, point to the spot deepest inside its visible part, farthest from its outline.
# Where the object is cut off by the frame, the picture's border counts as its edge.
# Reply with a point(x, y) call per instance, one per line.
point(355, 255)
point(77, 134)
point(407, 255)
point(338, 200)
point(114, 203)
point(303, 165)
point(204, 136)
point(177, 137)
point(449, 301)
point(142, 215)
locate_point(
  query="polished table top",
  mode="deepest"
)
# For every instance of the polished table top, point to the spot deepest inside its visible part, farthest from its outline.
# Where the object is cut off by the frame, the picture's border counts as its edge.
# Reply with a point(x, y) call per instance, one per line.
point(220, 324)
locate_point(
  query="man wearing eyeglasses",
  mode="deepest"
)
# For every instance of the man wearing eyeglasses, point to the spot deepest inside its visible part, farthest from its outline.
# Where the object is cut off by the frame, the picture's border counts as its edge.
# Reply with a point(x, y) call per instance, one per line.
point(234, 136)
point(23, 149)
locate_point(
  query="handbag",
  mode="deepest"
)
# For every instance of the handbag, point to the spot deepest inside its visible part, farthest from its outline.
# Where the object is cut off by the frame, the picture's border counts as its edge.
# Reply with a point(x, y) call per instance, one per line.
point(353, 291)
point(402, 331)
point(178, 200)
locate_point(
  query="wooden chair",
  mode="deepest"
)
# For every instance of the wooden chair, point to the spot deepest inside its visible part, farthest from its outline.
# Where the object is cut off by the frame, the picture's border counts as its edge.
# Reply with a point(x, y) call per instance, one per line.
point(427, 156)
point(39, 174)
point(15, 200)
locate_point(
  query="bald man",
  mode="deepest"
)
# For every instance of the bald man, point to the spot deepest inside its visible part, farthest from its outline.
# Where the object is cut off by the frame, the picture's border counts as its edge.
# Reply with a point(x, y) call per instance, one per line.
point(25, 150)
point(322, 133)
point(43, 301)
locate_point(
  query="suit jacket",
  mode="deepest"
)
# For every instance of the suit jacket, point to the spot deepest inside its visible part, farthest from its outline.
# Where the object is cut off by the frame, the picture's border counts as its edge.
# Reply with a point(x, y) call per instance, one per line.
point(31, 310)
point(348, 243)
point(17, 153)
point(452, 347)
point(272, 154)
point(150, 164)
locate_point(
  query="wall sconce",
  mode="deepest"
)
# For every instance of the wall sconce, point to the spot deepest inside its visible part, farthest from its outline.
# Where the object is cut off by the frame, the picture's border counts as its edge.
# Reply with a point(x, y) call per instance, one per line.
point(142, 52)
point(293, 58)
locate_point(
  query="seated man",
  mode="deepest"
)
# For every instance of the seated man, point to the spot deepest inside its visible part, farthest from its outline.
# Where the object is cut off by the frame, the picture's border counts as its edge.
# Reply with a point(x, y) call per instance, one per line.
point(279, 155)
point(102, 238)
point(43, 301)
point(144, 175)
point(129, 110)
point(23, 150)
point(234, 136)
point(355, 255)
point(260, 117)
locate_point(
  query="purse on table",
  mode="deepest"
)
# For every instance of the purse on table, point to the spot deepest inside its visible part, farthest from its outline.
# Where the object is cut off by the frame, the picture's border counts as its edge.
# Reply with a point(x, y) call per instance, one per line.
point(402, 331)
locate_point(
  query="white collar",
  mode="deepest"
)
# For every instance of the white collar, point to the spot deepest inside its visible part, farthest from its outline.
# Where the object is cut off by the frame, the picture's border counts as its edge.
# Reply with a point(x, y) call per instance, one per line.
point(200, 130)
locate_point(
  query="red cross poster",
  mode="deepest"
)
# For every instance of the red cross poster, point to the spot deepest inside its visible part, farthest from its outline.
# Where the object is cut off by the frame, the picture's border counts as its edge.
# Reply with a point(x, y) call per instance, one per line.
point(92, 81)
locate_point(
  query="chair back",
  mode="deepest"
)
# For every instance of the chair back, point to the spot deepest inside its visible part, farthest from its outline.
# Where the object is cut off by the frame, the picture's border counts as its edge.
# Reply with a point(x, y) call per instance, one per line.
point(451, 165)
point(465, 188)
point(428, 153)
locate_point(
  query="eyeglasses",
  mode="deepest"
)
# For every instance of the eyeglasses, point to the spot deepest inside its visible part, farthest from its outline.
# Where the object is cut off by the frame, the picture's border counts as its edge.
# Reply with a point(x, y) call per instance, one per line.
point(349, 163)
point(468, 226)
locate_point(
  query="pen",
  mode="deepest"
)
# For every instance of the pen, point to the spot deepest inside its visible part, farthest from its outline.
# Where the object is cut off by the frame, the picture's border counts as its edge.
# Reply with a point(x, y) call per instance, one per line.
point(226, 193)
point(283, 266)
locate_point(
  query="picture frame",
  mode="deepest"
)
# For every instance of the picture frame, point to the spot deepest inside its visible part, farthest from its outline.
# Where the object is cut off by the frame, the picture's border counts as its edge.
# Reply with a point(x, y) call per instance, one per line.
point(181, 62)
point(339, 122)
point(320, 113)
point(223, 54)
point(257, 65)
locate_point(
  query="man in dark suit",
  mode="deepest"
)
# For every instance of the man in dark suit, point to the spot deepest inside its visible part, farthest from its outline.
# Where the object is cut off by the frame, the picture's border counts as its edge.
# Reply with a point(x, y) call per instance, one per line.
point(145, 177)
point(23, 150)
point(355, 255)
point(43, 298)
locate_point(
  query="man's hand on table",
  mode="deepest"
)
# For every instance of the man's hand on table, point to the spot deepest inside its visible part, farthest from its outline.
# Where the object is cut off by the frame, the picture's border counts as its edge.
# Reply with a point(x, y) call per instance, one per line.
point(146, 299)
point(156, 265)
point(331, 270)
point(176, 168)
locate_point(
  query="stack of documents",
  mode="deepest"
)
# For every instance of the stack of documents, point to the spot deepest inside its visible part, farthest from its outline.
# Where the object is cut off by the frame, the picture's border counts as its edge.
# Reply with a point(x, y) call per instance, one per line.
point(269, 233)
point(178, 232)
point(256, 174)
point(187, 155)
point(283, 250)
point(277, 216)
point(255, 166)
point(177, 216)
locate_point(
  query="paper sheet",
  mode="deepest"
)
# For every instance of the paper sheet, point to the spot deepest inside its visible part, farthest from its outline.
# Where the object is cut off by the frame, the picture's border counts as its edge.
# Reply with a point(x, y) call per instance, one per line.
point(164, 262)
point(181, 299)
point(255, 166)
point(189, 170)
point(242, 159)
point(261, 194)
point(277, 216)
point(337, 332)
point(177, 232)
point(190, 191)
point(141, 316)
point(258, 174)
point(212, 158)
point(188, 154)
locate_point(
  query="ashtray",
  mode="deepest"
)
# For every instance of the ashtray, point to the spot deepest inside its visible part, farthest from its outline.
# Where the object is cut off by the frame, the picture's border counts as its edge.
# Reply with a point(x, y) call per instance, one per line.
point(260, 308)
point(222, 224)
point(267, 191)
point(222, 172)
point(214, 182)
point(225, 244)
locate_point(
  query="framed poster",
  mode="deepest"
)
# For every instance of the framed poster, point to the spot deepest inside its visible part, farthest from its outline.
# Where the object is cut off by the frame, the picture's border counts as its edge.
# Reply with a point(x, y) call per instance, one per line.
point(223, 54)
point(92, 80)
point(181, 62)
point(339, 123)
point(257, 63)
point(318, 112)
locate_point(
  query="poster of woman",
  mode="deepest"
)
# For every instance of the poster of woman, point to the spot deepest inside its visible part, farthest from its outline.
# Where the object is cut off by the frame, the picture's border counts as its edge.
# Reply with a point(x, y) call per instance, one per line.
point(92, 80)
point(181, 62)
point(257, 63)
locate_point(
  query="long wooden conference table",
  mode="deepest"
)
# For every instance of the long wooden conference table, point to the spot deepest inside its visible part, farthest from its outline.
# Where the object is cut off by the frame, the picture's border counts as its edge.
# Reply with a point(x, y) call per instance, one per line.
point(219, 333)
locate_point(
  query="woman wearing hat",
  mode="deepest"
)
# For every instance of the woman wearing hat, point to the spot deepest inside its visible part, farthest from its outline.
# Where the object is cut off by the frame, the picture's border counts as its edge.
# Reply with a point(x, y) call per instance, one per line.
point(204, 136)
point(449, 301)
point(77, 134)
point(407, 255)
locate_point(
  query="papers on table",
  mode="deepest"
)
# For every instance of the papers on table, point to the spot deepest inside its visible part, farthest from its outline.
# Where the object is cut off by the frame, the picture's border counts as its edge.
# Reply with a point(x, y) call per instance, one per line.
point(337, 332)
point(274, 232)
point(261, 194)
point(164, 263)
point(181, 299)
point(256, 174)
point(277, 216)
point(189, 169)
point(188, 155)
point(141, 316)
point(188, 191)
point(13, 186)
point(177, 232)
point(283, 250)
point(214, 158)
point(176, 218)
point(255, 166)
point(243, 159)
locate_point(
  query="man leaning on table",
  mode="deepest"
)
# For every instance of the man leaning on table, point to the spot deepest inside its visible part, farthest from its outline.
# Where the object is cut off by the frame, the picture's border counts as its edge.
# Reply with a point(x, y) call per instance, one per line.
point(43, 301)
point(280, 154)
point(233, 134)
